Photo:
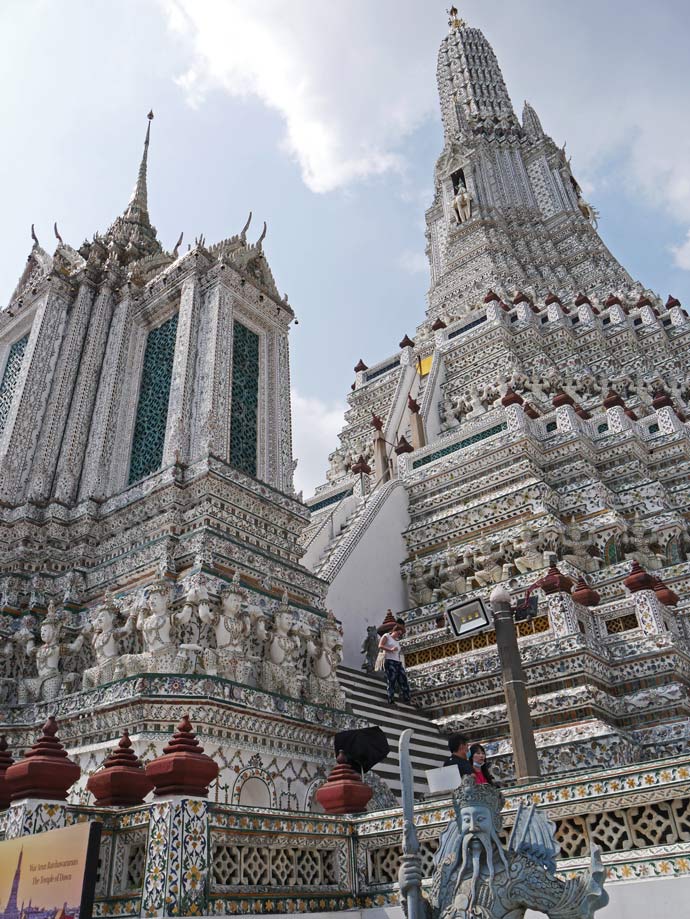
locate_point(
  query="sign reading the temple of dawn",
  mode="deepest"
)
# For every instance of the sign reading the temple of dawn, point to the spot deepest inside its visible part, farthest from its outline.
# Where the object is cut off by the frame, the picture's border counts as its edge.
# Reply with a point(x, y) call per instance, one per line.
point(51, 875)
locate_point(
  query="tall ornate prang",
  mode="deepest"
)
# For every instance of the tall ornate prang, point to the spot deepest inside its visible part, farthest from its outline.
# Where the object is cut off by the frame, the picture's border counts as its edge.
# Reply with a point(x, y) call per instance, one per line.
point(522, 436)
point(507, 212)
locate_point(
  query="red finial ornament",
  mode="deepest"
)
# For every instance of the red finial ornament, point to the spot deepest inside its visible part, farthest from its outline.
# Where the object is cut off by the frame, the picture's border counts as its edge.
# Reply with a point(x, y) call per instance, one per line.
point(344, 792)
point(184, 768)
point(122, 782)
point(45, 771)
point(638, 579)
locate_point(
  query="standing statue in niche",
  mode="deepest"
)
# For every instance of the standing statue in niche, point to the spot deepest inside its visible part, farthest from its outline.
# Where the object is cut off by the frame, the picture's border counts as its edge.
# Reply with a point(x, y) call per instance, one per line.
point(462, 204)
point(106, 639)
point(232, 627)
point(51, 675)
point(325, 656)
point(370, 649)
point(588, 212)
point(476, 877)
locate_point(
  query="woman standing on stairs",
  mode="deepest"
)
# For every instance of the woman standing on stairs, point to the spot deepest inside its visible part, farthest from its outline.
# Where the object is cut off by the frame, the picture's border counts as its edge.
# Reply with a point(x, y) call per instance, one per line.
point(393, 667)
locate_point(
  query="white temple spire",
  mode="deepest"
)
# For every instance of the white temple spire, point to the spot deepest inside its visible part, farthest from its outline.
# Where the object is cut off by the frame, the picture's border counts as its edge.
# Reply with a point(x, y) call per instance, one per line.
point(138, 203)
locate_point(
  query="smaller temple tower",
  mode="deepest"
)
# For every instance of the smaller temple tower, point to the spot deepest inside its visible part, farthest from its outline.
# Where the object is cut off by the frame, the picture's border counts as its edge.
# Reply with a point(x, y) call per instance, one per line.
point(12, 909)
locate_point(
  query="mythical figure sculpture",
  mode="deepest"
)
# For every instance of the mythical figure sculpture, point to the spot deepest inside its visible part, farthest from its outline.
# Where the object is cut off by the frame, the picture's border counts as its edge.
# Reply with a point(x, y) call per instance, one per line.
point(51, 677)
point(577, 548)
point(281, 668)
point(529, 555)
point(155, 622)
point(106, 641)
point(476, 876)
point(462, 204)
point(370, 647)
point(489, 564)
point(588, 212)
point(325, 656)
point(232, 626)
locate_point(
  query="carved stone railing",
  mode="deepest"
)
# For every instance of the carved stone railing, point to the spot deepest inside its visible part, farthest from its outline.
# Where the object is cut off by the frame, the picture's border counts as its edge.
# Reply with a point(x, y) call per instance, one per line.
point(181, 856)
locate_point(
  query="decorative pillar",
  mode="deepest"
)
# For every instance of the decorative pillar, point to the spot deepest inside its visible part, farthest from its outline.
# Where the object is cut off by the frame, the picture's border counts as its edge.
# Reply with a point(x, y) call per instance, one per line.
point(81, 409)
point(26, 413)
point(182, 381)
point(50, 440)
point(649, 610)
point(381, 465)
point(177, 859)
point(102, 461)
point(515, 689)
point(416, 424)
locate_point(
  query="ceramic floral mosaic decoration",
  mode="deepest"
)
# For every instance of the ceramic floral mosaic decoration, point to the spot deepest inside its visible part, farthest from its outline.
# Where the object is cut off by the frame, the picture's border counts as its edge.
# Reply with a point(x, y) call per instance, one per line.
point(13, 364)
point(245, 398)
point(155, 560)
point(152, 409)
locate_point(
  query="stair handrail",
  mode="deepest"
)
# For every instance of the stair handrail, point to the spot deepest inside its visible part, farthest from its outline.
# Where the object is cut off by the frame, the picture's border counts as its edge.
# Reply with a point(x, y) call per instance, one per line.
point(367, 510)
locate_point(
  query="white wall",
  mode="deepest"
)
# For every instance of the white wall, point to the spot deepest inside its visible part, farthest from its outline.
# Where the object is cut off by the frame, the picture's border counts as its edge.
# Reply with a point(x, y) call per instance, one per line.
point(369, 582)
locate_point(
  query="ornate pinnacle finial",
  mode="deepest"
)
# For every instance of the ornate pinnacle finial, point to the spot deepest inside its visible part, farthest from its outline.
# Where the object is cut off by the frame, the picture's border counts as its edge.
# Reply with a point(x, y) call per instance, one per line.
point(243, 234)
point(178, 244)
point(138, 203)
point(454, 21)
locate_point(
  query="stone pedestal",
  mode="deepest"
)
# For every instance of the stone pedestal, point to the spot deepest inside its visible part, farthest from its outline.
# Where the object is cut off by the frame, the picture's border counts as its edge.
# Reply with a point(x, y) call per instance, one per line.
point(177, 859)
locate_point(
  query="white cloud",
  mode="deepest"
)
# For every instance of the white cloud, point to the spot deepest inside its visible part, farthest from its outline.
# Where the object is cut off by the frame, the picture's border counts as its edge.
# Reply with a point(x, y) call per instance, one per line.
point(347, 92)
point(315, 428)
point(681, 254)
point(351, 81)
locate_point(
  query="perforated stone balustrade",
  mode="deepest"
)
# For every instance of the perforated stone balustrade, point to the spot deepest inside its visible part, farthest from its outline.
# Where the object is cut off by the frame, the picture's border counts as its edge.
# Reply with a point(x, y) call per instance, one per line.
point(197, 857)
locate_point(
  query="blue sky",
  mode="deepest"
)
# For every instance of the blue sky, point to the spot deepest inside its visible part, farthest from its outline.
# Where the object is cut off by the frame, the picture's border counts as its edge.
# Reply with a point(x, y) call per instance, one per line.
point(322, 118)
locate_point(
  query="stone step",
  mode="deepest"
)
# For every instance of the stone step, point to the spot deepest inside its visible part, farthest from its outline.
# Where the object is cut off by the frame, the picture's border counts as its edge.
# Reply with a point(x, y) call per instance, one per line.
point(428, 747)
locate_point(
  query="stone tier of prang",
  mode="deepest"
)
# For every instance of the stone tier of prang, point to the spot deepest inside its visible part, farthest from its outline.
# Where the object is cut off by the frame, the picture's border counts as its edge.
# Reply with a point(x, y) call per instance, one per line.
point(285, 744)
point(537, 347)
point(554, 431)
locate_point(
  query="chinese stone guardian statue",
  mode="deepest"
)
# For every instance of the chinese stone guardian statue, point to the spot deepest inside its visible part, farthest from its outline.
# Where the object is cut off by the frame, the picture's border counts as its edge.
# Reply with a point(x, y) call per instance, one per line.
point(477, 877)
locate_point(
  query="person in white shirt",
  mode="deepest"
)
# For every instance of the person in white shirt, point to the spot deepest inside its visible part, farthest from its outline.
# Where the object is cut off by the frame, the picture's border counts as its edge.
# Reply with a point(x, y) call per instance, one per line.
point(393, 668)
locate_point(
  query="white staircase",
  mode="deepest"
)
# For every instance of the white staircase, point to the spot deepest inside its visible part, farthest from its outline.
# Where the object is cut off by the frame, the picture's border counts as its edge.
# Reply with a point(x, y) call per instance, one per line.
point(367, 696)
point(340, 547)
